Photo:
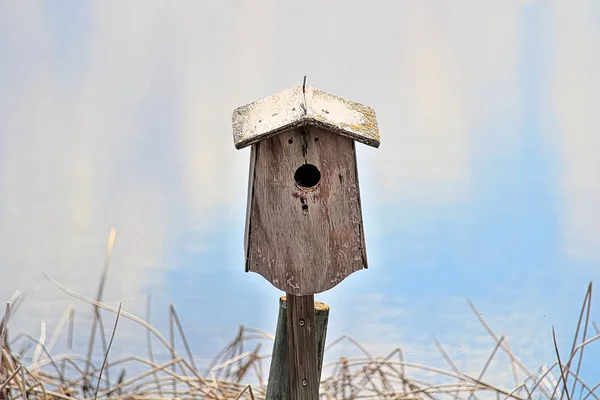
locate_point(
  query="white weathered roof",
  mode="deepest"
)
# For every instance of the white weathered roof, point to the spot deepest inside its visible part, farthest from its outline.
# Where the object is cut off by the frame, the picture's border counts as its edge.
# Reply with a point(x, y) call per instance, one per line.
point(299, 106)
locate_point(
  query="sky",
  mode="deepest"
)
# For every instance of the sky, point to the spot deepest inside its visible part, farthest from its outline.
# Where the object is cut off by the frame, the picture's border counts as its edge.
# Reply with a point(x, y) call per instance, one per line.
point(118, 115)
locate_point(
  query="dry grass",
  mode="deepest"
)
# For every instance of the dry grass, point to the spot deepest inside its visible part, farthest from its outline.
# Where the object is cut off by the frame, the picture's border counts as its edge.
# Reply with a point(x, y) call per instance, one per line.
point(67, 376)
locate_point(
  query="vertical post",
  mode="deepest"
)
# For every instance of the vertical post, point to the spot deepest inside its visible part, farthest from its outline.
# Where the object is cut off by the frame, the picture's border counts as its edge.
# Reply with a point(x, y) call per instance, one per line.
point(278, 387)
point(304, 381)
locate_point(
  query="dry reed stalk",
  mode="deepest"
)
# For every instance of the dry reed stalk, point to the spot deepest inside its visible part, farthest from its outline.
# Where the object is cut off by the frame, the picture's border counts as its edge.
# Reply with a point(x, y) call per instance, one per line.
point(228, 374)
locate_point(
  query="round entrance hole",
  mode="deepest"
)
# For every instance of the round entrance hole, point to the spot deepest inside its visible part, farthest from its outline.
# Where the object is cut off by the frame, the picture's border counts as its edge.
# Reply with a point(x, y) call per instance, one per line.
point(307, 176)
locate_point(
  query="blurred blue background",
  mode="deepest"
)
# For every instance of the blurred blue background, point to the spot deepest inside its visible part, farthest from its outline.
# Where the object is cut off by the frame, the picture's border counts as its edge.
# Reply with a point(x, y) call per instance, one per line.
point(485, 185)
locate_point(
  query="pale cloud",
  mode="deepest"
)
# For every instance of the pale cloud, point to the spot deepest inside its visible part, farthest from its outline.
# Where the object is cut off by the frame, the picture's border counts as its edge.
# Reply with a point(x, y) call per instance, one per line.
point(133, 129)
point(445, 86)
point(136, 136)
point(575, 95)
point(70, 166)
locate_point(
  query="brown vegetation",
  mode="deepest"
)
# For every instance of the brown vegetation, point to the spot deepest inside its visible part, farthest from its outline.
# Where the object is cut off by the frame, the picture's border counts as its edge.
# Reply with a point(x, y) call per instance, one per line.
point(237, 371)
point(65, 376)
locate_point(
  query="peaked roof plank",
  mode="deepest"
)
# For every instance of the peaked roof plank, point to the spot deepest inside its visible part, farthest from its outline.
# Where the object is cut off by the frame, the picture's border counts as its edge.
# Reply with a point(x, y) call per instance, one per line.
point(300, 106)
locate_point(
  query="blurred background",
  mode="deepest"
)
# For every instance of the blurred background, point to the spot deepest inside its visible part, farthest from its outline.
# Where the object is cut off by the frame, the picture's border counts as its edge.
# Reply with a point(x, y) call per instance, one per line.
point(118, 115)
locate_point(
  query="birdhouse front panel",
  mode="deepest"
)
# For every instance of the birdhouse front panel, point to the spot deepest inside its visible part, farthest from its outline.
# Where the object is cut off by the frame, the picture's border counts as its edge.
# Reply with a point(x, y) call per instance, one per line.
point(304, 230)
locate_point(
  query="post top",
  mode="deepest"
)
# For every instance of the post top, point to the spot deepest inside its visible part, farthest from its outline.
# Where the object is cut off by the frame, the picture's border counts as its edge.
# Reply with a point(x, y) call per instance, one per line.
point(299, 106)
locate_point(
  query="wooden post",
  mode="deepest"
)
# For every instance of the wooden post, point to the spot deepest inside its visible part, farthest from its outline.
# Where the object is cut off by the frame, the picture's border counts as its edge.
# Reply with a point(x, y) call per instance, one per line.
point(279, 374)
point(302, 361)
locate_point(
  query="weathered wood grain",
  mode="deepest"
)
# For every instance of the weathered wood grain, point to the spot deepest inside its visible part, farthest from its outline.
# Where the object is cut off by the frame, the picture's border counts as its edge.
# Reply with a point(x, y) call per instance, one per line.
point(305, 241)
point(300, 106)
point(302, 357)
point(278, 385)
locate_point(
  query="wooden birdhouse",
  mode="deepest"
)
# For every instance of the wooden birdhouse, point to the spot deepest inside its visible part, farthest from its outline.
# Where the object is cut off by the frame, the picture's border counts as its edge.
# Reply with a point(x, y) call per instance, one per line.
point(304, 229)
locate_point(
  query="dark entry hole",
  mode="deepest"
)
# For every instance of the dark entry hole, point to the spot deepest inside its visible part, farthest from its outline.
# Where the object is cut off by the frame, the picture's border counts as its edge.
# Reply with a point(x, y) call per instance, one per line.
point(316, 139)
point(305, 207)
point(307, 176)
point(291, 141)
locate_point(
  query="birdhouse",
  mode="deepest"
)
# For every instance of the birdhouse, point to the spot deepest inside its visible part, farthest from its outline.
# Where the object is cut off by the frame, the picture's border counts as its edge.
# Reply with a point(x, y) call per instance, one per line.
point(304, 228)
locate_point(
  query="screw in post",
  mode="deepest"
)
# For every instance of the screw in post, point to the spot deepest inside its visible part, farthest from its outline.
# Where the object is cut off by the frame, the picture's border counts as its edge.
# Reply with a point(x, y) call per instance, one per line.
point(301, 322)
point(304, 382)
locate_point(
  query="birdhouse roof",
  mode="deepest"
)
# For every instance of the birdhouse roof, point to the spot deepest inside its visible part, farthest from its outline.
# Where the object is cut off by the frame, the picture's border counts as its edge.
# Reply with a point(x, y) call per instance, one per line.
point(299, 106)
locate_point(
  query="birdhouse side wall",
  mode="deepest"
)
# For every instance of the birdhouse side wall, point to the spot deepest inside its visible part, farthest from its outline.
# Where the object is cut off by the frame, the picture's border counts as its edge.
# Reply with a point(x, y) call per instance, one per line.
point(249, 197)
point(305, 240)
